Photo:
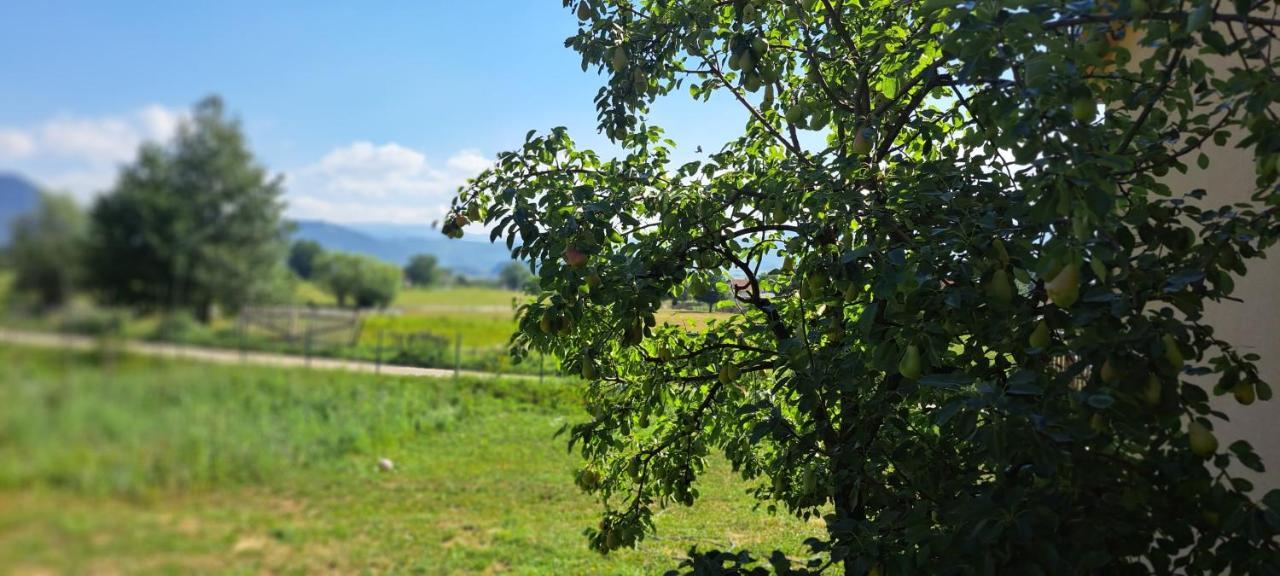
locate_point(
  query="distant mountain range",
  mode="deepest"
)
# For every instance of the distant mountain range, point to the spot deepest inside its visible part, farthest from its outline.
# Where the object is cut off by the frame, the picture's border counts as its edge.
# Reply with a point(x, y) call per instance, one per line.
point(397, 243)
point(17, 197)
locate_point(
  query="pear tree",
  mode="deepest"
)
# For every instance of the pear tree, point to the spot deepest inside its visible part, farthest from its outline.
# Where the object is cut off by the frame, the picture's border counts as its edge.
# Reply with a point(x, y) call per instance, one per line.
point(969, 331)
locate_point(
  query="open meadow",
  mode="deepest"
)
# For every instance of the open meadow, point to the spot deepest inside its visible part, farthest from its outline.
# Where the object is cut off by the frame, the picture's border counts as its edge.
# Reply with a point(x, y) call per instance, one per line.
point(131, 465)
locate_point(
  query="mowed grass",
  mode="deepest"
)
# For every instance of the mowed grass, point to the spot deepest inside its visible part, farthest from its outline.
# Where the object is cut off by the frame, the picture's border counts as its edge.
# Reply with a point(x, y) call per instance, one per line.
point(145, 466)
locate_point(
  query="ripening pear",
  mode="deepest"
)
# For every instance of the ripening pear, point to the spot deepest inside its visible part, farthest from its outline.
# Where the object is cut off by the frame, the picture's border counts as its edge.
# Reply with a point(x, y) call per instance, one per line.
point(1151, 394)
point(1109, 373)
point(1244, 393)
point(1064, 289)
point(590, 479)
point(593, 280)
point(794, 113)
point(1084, 109)
point(619, 58)
point(1172, 353)
point(1040, 337)
point(1203, 442)
point(728, 373)
point(999, 288)
point(1002, 254)
point(545, 323)
point(910, 366)
point(664, 353)
point(861, 144)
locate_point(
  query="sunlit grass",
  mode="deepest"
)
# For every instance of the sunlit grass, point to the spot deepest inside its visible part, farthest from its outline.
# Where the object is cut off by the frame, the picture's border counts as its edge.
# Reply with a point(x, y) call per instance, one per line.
point(143, 466)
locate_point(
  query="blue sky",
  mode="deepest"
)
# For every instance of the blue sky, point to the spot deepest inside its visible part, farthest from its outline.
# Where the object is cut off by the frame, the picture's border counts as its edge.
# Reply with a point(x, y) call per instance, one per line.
point(375, 111)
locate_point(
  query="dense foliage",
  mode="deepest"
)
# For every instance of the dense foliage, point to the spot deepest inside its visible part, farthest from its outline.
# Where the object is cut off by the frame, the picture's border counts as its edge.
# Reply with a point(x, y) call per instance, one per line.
point(984, 351)
point(358, 280)
point(424, 270)
point(191, 224)
point(302, 257)
point(46, 250)
point(516, 276)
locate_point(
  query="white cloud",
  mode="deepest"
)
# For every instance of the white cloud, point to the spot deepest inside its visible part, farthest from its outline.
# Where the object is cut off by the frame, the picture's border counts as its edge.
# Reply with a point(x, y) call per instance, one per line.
point(15, 144)
point(81, 154)
point(364, 182)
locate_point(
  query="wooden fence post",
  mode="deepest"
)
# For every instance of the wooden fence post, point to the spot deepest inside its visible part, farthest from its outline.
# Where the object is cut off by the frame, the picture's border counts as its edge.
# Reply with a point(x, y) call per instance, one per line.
point(306, 347)
point(457, 356)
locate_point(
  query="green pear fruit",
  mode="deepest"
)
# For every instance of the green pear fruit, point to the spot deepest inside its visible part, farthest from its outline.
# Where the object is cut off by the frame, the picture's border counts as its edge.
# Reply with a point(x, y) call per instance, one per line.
point(590, 479)
point(1040, 337)
point(588, 369)
point(1109, 374)
point(1064, 289)
point(1001, 253)
point(861, 144)
point(1172, 353)
point(593, 280)
point(619, 58)
point(728, 373)
point(664, 353)
point(999, 288)
point(1244, 393)
point(1203, 442)
point(1151, 394)
point(1084, 109)
point(794, 113)
point(584, 11)
point(1098, 423)
point(1138, 7)
point(545, 323)
point(910, 366)
point(759, 46)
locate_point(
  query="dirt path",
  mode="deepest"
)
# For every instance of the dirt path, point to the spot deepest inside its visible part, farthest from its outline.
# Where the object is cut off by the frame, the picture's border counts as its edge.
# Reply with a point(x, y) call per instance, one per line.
point(224, 356)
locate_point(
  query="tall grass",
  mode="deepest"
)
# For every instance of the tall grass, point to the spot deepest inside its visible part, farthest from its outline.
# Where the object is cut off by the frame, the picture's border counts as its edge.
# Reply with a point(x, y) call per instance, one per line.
point(138, 425)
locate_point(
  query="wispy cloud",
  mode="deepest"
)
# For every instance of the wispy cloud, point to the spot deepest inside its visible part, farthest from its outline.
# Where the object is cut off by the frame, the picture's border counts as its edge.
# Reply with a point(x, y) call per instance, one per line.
point(363, 182)
point(81, 154)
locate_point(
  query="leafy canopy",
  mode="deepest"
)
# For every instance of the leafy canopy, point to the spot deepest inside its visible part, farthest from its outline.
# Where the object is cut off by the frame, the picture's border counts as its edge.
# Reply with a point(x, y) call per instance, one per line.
point(984, 351)
point(190, 223)
point(424, 270)
point(47, 249)
point(357, 279)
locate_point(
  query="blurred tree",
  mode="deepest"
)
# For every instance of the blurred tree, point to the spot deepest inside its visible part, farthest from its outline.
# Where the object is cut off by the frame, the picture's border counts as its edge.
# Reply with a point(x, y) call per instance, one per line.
point(424, 270)
point(302, 257)
point(986, 351)
point(516, 276)
point(359, 280)
point(46, 250)
point(190, 224)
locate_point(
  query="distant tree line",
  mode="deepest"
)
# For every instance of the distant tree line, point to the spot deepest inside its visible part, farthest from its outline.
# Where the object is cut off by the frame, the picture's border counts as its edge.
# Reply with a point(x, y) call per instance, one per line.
point(194, 225)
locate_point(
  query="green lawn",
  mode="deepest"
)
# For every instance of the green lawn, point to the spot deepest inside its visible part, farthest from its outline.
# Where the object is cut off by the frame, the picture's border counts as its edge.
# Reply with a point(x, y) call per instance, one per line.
point(144, 466)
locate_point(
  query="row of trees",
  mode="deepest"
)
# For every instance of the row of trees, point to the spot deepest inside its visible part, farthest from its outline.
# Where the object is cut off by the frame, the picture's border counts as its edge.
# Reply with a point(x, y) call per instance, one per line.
point(193, 225)
point(353, 279)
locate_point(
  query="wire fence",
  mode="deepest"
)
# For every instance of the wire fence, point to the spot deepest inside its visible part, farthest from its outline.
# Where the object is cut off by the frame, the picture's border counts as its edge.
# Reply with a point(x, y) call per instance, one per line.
point(334, 333)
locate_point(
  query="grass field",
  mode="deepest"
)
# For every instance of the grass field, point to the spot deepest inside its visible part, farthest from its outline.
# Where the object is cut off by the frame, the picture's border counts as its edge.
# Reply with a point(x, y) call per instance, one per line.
point(143, 466)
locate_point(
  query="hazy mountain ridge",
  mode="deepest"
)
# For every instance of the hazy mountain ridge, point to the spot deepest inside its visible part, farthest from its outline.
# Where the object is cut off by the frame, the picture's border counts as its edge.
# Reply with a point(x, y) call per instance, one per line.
point(18, 196)
point(468, 257)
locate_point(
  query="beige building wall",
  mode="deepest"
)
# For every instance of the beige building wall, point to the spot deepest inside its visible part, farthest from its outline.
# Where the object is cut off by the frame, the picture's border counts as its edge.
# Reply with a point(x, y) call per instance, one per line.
point(1252, 325)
